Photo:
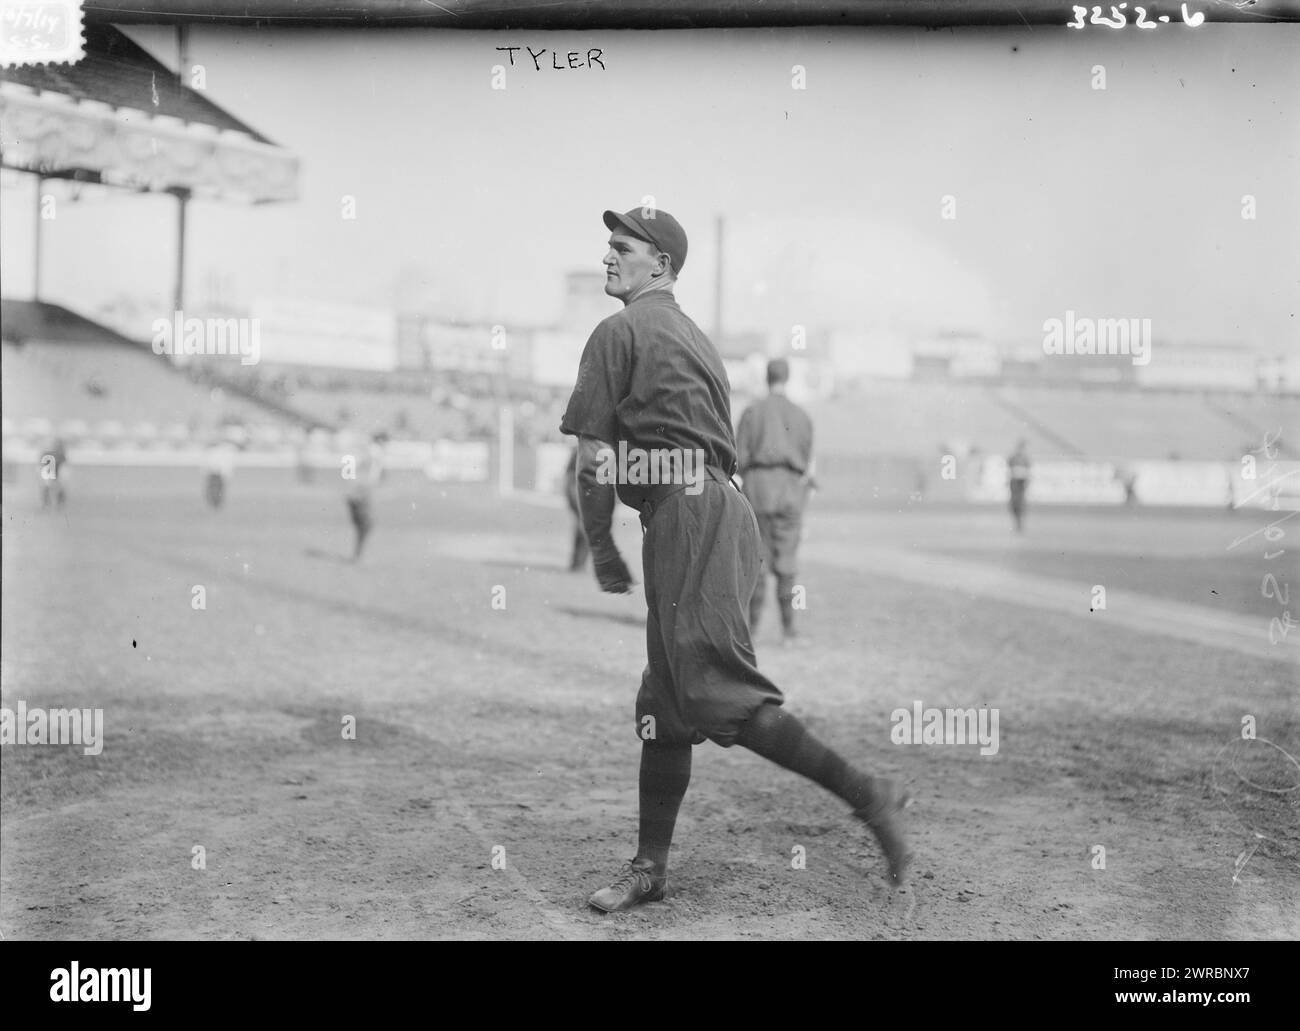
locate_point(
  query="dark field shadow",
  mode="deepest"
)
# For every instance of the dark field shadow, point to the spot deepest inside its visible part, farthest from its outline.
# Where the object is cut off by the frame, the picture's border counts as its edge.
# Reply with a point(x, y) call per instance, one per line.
point(328, 556)
point(541, 567)
point(613, 617)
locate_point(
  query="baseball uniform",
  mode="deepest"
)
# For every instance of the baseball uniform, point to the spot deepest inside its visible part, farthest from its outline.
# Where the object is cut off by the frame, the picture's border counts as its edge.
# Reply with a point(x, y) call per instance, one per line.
point(774, 442)
point(1018, 483)
point(649, 381)
point(649, 377)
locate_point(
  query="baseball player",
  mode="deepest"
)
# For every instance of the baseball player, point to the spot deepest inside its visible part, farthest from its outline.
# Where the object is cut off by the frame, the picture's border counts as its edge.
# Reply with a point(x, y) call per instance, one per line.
point(368, 471)
point(774, 454)
point(218, 467)
point(53, 471)
point(1018, 483)
point(650, 379)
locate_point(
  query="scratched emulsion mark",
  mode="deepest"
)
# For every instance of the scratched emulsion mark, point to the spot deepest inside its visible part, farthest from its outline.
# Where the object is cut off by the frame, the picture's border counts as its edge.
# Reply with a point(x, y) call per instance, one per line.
point(40, 32)
point(1268, 496)
point(1258, 782)
point(1266, 803)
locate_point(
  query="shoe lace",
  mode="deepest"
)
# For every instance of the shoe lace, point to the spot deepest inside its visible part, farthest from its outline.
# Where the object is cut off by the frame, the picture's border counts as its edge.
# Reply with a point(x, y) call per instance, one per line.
point(629, 876)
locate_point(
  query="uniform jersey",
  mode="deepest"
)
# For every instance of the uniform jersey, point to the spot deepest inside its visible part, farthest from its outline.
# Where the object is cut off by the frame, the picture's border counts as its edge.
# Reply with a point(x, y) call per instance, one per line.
point(1018, 467)
point(650, 377)
point(369, 472)
point(774, 449)
point(774, 431)
point(55, 458)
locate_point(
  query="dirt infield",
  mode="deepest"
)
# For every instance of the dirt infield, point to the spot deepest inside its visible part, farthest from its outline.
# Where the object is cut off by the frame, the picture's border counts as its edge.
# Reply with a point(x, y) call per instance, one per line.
point(485, 733)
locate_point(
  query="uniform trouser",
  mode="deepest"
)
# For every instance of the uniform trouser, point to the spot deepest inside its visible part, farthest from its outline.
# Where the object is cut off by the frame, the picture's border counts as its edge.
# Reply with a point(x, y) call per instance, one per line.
point(779, 532)
point(580, 549)
point(1018, 500)
point(700, 560)
point(215, 489)
point(362, 520)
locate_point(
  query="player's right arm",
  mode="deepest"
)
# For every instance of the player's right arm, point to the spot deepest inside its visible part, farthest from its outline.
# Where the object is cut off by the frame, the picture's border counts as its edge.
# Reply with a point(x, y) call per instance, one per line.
point(604, 376)
point(596, 500)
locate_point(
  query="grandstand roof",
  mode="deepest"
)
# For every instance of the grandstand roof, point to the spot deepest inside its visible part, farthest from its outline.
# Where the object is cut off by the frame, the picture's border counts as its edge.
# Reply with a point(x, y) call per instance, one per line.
point(121, 117)
point(118, 72)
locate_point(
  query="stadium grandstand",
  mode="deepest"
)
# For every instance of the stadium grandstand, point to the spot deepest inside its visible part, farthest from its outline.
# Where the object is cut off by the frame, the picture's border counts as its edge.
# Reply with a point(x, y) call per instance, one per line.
point(434, 384)
point(119, 118)
point(68, 376)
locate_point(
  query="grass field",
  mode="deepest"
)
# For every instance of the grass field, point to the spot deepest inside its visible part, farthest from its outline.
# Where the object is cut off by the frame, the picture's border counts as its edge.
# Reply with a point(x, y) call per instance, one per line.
point(487, 731)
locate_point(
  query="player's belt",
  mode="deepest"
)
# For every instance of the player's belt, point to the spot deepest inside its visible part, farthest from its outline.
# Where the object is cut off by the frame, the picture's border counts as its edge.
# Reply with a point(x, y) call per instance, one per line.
point(656, 494)
point(774, 465)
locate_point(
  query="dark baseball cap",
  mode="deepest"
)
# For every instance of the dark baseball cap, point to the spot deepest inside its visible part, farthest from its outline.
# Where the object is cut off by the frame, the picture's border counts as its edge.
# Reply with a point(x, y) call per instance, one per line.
point(656, 227)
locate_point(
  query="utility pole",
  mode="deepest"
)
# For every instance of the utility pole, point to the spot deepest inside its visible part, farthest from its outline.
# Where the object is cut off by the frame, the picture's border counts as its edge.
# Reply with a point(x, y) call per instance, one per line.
point(36, 242)
point(178, 292)
point(182, 53)
point(717, 286)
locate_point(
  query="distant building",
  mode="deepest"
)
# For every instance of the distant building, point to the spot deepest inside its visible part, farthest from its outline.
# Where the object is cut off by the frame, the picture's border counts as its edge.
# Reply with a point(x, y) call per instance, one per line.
point(441, 345)
point(585, 301)
point(870, 354)
point(299, 331)
point(1202, 366)
point(555, 355)
point(956, 354)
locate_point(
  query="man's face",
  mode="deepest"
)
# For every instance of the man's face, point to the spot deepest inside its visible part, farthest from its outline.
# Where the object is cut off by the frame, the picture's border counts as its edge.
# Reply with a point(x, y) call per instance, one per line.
point(630, 264)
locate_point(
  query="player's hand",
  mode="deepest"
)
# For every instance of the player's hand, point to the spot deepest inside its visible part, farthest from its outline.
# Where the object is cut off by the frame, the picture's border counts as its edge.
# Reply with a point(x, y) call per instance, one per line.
point(612, 573)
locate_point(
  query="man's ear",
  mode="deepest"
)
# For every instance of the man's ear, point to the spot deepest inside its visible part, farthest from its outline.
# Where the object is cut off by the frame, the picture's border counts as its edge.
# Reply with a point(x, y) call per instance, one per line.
point(663, 265)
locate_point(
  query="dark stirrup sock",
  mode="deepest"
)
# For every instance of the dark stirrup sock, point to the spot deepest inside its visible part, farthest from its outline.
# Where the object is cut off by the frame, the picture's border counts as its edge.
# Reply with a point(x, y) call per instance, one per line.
point(777, 735)
point(665, 774)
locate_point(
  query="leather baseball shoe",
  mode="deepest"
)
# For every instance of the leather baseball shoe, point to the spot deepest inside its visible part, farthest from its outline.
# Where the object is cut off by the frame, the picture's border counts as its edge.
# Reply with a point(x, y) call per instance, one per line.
point(885, 818)
point(636, 883)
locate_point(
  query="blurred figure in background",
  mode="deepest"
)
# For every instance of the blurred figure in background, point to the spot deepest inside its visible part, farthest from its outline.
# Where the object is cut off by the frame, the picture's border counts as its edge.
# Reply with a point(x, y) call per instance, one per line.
point(1018, 482)
point(218, 467)
point(774, 458)
point(367, 472)
point(53, 472)
point(578, 555)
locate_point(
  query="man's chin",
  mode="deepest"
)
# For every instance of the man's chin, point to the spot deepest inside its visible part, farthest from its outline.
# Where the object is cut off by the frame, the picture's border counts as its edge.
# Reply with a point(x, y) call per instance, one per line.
point(613, 288)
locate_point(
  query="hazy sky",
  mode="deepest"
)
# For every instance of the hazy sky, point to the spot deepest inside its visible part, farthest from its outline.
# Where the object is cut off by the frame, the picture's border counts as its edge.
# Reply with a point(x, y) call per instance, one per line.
point(1117, 203)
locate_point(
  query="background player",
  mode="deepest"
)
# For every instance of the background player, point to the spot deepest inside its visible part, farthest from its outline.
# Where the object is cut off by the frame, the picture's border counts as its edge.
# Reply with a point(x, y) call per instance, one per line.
point(53, 470)
point(774, 457)
point(650, 379)
point(218, 467)
point(368, 472)
point(1018, 483)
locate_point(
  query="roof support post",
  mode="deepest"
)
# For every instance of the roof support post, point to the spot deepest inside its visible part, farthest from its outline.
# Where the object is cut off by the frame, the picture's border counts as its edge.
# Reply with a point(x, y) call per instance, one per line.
point(178, 293)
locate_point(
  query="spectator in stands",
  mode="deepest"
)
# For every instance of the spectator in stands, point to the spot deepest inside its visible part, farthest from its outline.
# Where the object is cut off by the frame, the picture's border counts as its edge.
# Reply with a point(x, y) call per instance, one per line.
point(1018, 482)
point(53, 470)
